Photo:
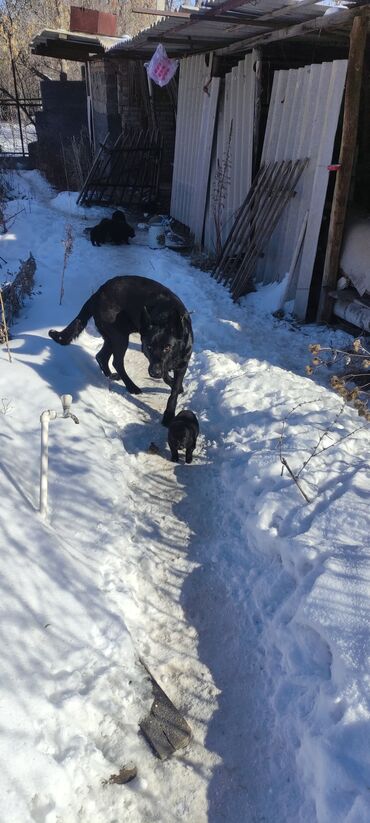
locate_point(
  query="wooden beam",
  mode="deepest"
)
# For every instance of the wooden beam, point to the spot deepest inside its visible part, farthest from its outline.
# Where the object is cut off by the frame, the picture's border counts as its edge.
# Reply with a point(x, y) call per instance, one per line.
point(243, 20)
point(346, 158)
point(206, 43)
point(180, 15)
point(66, 53)
point(282, 11)
point(316, 25)
point(227, 5)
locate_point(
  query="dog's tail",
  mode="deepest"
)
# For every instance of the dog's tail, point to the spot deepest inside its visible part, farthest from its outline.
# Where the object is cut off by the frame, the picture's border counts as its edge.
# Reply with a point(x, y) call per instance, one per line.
point(76, 326)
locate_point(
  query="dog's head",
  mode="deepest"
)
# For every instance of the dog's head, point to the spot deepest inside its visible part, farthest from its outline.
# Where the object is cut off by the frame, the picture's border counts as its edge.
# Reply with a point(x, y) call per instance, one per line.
point(162, 338)
point(118, 217)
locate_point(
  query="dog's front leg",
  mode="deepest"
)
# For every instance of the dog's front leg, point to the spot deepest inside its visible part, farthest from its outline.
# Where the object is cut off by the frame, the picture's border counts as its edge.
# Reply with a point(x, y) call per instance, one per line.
point(170, 381)
point(172, 400)
point(119, 346)
point(103, 357)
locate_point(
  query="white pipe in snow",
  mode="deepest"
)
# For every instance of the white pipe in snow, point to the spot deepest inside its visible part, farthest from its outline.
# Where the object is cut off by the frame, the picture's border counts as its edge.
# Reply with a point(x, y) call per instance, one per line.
point(45, 417)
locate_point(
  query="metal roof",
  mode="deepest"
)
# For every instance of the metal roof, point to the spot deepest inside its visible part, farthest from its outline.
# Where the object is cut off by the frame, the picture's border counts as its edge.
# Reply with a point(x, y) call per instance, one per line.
point(221, 25)
point(229, 25)
point(74, 45)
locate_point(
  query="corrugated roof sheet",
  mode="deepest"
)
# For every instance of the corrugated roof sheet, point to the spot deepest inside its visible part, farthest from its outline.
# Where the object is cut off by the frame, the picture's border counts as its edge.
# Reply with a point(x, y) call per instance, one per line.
point(220, 24)
point(75, 43)
point(213, 26)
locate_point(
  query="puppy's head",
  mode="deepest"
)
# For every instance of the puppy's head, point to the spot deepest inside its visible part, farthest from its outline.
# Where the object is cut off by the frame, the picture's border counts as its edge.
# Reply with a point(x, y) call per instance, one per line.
point(118, 217)
point(161, 340)
point(184, 426)
point(183, 431)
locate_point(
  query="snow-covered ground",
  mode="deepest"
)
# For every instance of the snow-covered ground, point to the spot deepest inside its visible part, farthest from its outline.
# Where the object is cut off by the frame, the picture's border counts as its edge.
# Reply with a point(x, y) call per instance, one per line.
point(250, 606)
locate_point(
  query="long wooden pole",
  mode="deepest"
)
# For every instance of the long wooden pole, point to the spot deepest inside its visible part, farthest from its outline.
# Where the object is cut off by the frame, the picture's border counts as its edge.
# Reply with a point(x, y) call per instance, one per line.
point(346, 157)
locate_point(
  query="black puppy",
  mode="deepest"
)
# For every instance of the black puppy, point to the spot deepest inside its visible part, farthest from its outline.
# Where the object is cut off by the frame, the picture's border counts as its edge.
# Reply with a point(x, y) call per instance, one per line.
point(124, 305)
point(114, 230)
point(182, 434)
point(99, 233)
point(120, 229)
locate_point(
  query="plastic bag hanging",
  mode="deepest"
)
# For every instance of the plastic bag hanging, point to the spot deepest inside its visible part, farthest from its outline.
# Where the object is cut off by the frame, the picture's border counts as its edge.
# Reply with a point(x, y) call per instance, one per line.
point(161, 68)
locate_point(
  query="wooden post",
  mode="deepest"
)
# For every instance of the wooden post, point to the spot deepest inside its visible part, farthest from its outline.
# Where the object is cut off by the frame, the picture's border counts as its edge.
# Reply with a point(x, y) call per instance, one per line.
point(347, 152)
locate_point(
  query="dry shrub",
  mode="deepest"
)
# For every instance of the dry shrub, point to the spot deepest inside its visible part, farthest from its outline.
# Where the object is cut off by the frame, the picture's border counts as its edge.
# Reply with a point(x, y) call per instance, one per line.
point(67, 165)
point(13, 295)
point(352, 378)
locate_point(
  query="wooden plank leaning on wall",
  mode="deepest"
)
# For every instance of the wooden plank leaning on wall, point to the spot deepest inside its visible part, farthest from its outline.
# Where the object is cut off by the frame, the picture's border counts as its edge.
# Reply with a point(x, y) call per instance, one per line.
point(346, 158)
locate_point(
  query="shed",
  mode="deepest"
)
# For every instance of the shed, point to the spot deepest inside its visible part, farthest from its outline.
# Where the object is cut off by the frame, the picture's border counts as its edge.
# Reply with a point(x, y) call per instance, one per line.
point(259, 127)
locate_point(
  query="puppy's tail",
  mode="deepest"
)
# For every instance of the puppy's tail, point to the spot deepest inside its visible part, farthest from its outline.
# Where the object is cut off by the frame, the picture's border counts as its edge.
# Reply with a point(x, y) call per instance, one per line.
point(76, 326)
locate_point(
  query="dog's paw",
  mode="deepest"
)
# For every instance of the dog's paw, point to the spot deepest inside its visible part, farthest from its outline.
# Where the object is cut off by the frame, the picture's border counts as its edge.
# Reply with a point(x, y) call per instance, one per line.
point(55, 335)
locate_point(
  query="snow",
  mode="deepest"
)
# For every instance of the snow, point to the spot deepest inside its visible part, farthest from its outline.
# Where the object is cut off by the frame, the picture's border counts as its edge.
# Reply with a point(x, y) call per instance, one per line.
point(249, 605)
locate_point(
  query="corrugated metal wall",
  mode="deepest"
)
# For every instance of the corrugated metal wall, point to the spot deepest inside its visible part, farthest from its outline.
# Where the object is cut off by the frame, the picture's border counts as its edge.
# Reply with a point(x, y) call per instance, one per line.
point(195, 127)
point(236, 107)
point(302, 122)
point(194, 74)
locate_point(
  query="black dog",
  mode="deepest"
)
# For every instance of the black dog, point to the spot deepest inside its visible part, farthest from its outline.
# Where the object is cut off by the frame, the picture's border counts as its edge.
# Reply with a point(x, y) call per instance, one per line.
point(136, 304)
point(183, 431)
point(99, 233)
point(114, 230)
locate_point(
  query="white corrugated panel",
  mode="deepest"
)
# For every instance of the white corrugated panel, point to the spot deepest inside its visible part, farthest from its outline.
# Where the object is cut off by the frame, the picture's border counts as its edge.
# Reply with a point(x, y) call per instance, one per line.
point(194, 73)
point(197, 134)
point(302, 122)
point(237, 108)
point(204, 159)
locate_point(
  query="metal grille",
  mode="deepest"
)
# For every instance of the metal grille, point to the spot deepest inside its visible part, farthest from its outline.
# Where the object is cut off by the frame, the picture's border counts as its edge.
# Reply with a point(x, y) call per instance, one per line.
point(126, 173)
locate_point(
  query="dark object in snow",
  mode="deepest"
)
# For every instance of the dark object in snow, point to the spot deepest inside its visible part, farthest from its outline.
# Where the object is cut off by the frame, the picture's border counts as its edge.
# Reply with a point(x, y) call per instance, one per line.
point(14, 293)
point(182, 434)
point(113, 229)
point(153, 448)
point(124, 305)
point(165, 728)
point(127, 773)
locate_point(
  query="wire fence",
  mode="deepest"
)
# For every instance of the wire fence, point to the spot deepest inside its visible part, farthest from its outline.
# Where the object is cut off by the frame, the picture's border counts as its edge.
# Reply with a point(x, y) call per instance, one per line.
point(17, 125)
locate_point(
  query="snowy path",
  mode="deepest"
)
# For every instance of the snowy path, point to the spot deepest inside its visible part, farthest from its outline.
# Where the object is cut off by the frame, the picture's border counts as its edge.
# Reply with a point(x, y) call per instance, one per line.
point(202, 643)
point(250, 607)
